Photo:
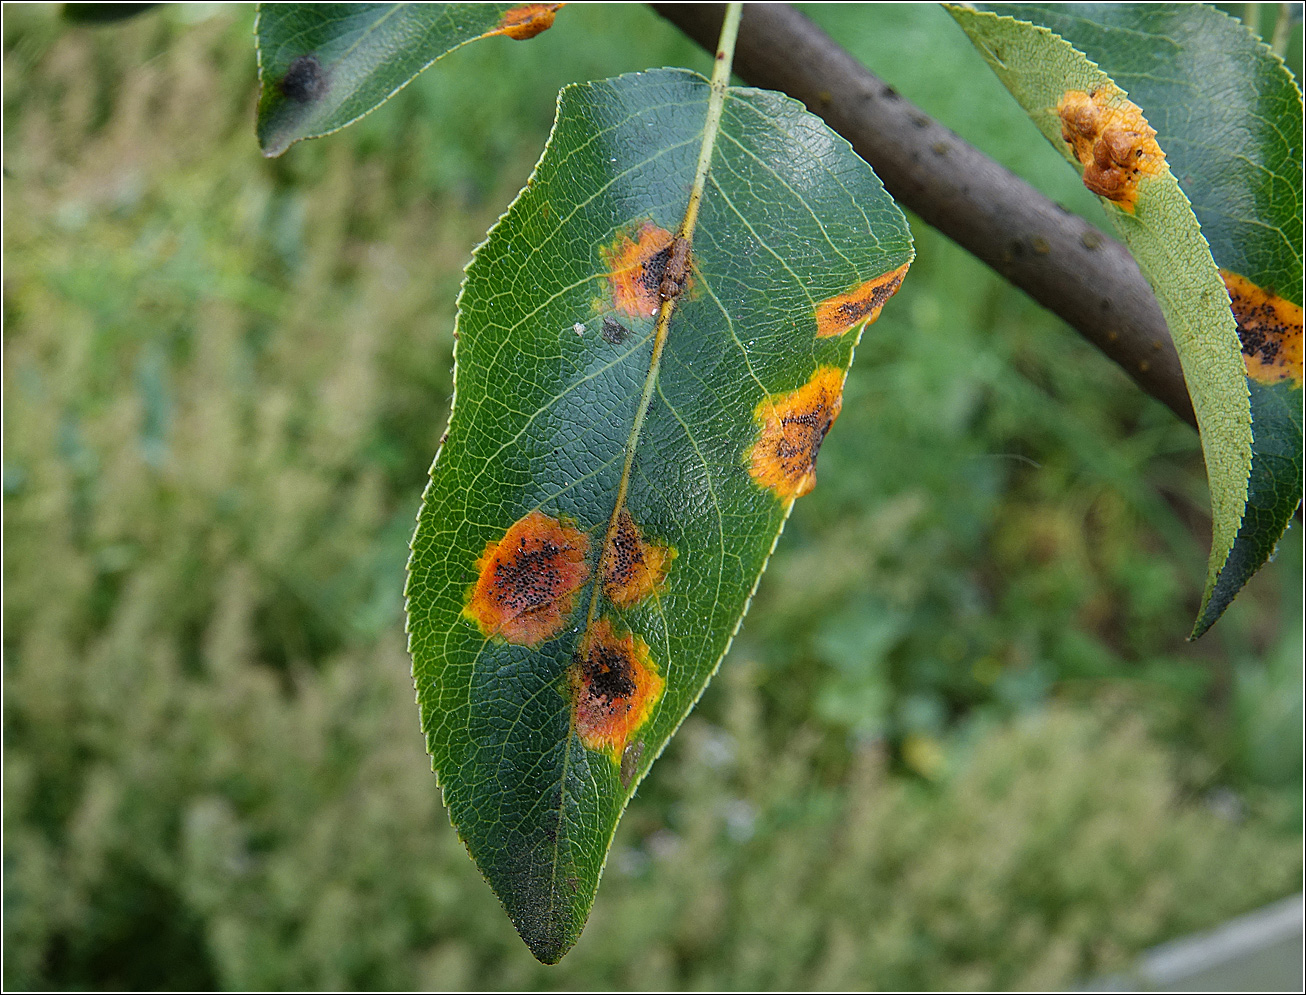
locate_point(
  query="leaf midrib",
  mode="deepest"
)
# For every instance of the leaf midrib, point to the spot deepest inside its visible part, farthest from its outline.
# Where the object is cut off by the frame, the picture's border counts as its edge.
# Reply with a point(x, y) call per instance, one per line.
point(720, 86)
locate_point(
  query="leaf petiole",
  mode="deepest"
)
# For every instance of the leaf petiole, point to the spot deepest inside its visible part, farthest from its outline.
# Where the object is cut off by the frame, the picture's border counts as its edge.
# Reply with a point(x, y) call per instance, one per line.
point(721, 66)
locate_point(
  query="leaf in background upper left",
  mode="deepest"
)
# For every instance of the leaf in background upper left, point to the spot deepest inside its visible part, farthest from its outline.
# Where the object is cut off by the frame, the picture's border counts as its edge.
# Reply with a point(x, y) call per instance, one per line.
point(324, 65)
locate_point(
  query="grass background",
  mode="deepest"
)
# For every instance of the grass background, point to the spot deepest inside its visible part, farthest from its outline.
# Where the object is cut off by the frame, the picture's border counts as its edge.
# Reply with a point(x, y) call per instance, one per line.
point(961, 740)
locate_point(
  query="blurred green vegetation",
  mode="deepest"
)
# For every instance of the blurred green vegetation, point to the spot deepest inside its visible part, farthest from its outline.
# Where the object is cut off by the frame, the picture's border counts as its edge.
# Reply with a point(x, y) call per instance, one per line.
point(960, 741)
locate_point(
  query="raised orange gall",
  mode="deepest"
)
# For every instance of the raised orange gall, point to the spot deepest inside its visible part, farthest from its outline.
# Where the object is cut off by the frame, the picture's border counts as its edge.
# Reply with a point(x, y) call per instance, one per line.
point(1270, 329)
point(839, 315)
point(614, 686)
point(636, 265)
point(1112, 141)
point(527, 20)
point(528, 581)
point(632, 568)
point(792, 427)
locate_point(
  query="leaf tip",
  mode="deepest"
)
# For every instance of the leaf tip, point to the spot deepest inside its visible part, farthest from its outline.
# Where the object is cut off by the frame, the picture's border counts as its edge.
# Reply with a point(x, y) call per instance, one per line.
point(549, 914)
point(548, 949)
point(287, 101)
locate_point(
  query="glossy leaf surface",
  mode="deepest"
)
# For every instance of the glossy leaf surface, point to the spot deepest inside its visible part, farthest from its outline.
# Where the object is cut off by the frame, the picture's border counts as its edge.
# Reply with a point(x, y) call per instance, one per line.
point(1101, 131)
point(1229, 116)
point(324, 65)
point(569, 429)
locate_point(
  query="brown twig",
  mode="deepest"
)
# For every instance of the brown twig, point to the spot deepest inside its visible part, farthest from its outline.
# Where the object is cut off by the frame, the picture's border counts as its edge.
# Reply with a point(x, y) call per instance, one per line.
point(1060, 260)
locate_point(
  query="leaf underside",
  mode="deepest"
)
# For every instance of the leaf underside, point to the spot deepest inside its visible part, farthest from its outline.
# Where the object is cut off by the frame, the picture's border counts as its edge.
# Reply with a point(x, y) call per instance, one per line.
point(1229, 116)
point(325, 65)
point(1041, 69)
point(556, 388)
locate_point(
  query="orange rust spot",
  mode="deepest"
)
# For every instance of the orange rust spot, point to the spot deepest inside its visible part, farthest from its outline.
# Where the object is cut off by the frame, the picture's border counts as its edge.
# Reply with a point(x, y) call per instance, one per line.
point(636, 268)
point(1112, 141)
point(527, 21)
point(793, 426)
point(841, 314)
point(529, 580)
point(615, 686)
point(632, 568)
point(1270, 329)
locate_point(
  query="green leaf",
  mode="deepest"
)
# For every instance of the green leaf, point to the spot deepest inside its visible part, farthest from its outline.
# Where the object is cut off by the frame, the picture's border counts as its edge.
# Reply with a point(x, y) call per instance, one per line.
point(568, 419)
point(1061, 89)
point(324, 65)
point(1229, 116)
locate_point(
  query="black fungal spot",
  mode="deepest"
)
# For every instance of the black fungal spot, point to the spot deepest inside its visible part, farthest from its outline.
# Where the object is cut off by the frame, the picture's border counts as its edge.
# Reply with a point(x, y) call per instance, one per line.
point(528, 580)
point(798, 450)
point(793, 427)
point(304, 81)
point(632, 567)
point(1260, 331)
point(614, 686)
point(852, 312)
point(614, 332)
point(608, 675)
point(531, 578)
point(626, 551)
point(855, 310)
point(656, 267)
point(1269, 328)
